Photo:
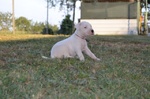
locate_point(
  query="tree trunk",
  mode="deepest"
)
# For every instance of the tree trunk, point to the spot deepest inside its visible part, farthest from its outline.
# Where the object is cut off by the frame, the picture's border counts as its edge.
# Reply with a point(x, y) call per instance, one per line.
point(74, 7)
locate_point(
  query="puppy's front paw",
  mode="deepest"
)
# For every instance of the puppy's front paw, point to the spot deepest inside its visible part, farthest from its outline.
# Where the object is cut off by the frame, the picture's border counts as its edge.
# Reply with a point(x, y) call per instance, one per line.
point(97, 59)
point(82, 60)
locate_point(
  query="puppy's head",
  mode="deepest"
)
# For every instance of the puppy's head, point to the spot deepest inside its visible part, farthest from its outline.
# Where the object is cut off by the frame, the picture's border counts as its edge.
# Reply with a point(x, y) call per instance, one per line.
point(84, 28)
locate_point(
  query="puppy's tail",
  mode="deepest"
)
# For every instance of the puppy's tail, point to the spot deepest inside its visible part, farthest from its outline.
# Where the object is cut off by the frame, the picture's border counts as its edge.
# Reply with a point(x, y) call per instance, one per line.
point(44, 57)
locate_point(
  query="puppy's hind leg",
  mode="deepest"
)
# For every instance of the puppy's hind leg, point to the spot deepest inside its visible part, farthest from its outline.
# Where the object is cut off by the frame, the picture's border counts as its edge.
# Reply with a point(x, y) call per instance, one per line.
point(67, 56)
point(80, 56)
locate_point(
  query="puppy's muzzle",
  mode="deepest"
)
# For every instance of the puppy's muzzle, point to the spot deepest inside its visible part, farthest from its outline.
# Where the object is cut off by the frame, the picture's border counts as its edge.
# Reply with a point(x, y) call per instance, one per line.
point(92, 31)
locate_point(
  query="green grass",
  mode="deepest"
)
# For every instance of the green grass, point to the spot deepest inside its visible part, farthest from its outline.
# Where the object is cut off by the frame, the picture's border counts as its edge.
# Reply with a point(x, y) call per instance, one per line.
point(122, 73)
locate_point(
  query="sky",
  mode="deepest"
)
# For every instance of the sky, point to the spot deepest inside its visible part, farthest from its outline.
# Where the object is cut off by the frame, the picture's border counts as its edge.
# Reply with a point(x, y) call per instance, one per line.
point(36, 10)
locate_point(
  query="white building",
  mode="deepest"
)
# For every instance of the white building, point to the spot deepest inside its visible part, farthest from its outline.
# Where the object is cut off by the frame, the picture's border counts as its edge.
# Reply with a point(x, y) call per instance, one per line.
point(111, 17)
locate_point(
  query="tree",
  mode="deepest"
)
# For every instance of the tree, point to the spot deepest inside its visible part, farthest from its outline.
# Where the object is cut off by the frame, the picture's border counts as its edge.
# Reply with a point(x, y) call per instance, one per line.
point(37, 27)
point(5, 21)
point(53, 3)
point(66, 26)
point(69, 3)
point(23, 24)
point(50, 31)
point(72, 5)
point(54, 28)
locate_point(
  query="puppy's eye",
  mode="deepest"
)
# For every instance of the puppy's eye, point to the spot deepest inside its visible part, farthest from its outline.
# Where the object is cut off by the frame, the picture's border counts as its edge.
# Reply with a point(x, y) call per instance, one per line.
point(85, 27)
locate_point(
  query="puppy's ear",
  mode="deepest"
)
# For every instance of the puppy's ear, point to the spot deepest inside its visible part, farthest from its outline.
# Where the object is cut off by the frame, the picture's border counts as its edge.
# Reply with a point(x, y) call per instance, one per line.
point(77, 25)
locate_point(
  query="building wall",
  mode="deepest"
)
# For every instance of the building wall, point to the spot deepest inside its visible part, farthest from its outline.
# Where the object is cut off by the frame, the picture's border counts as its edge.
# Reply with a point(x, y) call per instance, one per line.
point(109, 10)
point(114, 26)
point(108, 0)
point(111, 18)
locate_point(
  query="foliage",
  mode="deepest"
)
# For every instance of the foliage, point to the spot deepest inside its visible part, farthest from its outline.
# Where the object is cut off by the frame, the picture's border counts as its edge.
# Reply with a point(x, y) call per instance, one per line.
point(50, 31)
point(66, 26)
point(23, 24)
point(53, 3)
point(37, 27)
point(5, 21)
point(123, 72)
point(54, 28)
point(71, 4)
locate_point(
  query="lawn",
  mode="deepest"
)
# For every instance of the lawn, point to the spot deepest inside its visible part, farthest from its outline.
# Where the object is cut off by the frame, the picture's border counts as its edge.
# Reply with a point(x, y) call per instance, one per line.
point(122, 73)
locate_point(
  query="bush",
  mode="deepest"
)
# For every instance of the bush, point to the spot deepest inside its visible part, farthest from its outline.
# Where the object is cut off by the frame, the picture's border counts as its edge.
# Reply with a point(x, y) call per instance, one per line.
point(50, 31)
point(66, 26)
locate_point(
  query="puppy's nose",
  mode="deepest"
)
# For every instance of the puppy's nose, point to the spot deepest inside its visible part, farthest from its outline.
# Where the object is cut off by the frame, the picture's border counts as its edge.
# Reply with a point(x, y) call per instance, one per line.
point(92, 31)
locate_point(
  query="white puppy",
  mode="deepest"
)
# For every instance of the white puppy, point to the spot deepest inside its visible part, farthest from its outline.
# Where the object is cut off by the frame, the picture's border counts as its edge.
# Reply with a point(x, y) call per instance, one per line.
point(75, 44)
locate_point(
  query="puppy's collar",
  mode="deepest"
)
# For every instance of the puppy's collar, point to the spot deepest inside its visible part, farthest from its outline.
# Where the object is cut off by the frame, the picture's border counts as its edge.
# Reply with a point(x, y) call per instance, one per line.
point(80, 36)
